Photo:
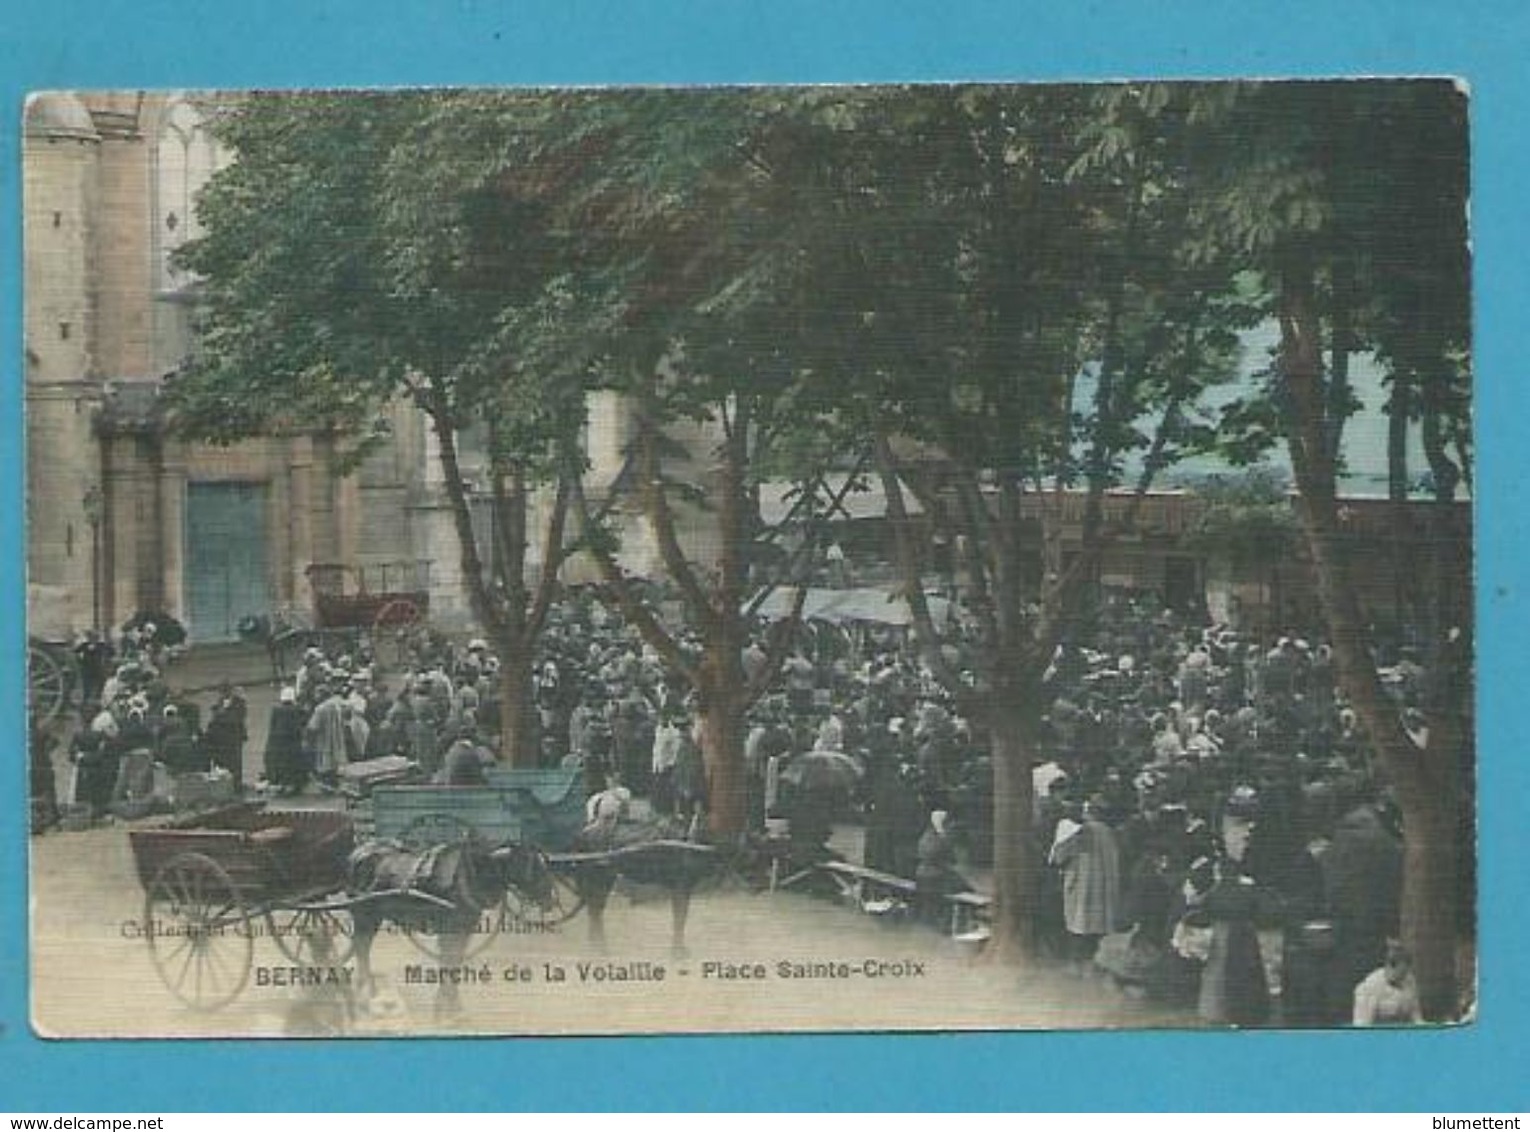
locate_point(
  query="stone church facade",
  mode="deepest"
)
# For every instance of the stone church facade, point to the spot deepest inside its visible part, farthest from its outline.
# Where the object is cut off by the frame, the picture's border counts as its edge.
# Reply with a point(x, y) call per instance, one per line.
point(124, 516)
point(121, 515)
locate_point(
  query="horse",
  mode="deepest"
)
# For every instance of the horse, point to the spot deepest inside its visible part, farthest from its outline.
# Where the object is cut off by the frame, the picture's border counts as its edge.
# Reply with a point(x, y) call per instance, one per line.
point(442, 891)
point(645, 855)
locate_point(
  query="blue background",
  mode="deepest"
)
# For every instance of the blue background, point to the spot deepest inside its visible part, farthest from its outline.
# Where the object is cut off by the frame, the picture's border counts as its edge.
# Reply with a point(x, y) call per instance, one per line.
point(279, 43)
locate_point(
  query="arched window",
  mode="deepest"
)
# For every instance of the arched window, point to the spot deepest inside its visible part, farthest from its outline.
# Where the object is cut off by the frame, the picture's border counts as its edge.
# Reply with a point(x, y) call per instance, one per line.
point(185, 158)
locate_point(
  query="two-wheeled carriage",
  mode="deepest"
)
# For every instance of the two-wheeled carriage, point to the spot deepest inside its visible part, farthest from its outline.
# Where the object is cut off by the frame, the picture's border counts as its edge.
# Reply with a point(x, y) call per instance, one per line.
point(383, 605)
point(216, 882)
point(53, 678)
point(541, 808)
point(386, 601)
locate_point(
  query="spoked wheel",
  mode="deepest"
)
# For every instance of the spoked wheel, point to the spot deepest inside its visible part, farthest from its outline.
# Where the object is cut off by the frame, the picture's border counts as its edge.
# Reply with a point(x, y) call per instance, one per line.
point(393, 630)
point(424, 929)
point(314, 936)
point(199, 931)
point(564, 902)
point(48, 683)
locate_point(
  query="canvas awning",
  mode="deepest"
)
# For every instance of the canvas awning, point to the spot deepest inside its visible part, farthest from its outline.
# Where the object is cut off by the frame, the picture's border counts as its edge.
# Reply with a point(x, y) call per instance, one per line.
point(873, 606)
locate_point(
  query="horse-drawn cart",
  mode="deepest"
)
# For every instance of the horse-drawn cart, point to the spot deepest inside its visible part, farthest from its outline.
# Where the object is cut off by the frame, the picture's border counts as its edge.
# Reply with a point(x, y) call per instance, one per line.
point(539, 808)
point(543, 810)
point(53, 671)
point(387, 600)
point(383, 605)
point(213, 882)
point(53, 678)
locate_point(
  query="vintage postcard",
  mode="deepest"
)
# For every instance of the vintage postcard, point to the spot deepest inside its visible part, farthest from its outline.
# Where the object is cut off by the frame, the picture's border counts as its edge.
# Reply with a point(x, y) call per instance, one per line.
point(749, 559)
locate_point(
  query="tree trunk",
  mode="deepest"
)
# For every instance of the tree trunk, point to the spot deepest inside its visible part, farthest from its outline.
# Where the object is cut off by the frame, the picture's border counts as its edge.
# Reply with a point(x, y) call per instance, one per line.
point(1397, 492)
point(1426, 781)
point(1016, 867)
point(1431, 869)
point(722, 694)
point(518, 732)
point(722, 752)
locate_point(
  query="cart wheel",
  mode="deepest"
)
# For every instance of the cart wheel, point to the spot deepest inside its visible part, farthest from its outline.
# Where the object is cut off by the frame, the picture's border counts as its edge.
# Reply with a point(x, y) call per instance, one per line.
point(199, 931)
point(323, 937)
point(563, 904)
point(393, 630)
point(48, 684)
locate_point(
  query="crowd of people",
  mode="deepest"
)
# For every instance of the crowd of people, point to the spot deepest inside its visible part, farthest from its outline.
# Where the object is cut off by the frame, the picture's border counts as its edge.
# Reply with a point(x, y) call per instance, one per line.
point(1211, 825)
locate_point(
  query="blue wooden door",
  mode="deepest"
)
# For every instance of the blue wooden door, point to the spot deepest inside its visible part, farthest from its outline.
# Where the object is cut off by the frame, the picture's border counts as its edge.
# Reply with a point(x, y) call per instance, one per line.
point(226, 568)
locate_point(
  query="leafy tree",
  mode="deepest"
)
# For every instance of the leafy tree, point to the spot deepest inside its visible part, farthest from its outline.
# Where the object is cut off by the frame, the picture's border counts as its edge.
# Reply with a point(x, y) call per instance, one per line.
point(1320, 187)
point(336, 277)
point(1250, 520)
point(973, 268)
point(706, 355)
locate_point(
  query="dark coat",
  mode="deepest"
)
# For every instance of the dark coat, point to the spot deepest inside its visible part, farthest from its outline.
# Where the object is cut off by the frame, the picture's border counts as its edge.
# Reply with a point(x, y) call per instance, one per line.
point(178, 749)
point(226, 729)
point(1363, 888)
point(892, 833)
point(285, 763)
point(1234, 991)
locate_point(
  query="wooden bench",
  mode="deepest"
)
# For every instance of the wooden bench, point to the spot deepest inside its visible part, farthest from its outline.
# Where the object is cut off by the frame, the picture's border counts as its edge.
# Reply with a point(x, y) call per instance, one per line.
point(856, 881)
point(968, 908)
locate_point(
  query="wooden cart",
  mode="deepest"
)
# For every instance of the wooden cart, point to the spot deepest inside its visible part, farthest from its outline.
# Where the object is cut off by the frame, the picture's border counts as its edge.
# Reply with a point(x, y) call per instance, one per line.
point(538, 807)
point(384, 605)
point(53, 678)
point(214, 883)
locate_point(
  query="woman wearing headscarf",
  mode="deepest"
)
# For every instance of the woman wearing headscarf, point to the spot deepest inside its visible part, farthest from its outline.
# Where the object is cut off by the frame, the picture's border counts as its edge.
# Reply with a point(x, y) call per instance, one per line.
point(285, 764)
point(935, 876)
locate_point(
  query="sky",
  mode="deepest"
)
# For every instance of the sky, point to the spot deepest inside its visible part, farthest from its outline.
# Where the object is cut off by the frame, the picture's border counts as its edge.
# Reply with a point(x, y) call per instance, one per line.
point(1365, 434)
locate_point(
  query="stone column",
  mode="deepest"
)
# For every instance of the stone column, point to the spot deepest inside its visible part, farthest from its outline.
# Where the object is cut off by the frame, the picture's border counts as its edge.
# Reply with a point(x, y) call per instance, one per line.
point(172, 528)
point(300, 543)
